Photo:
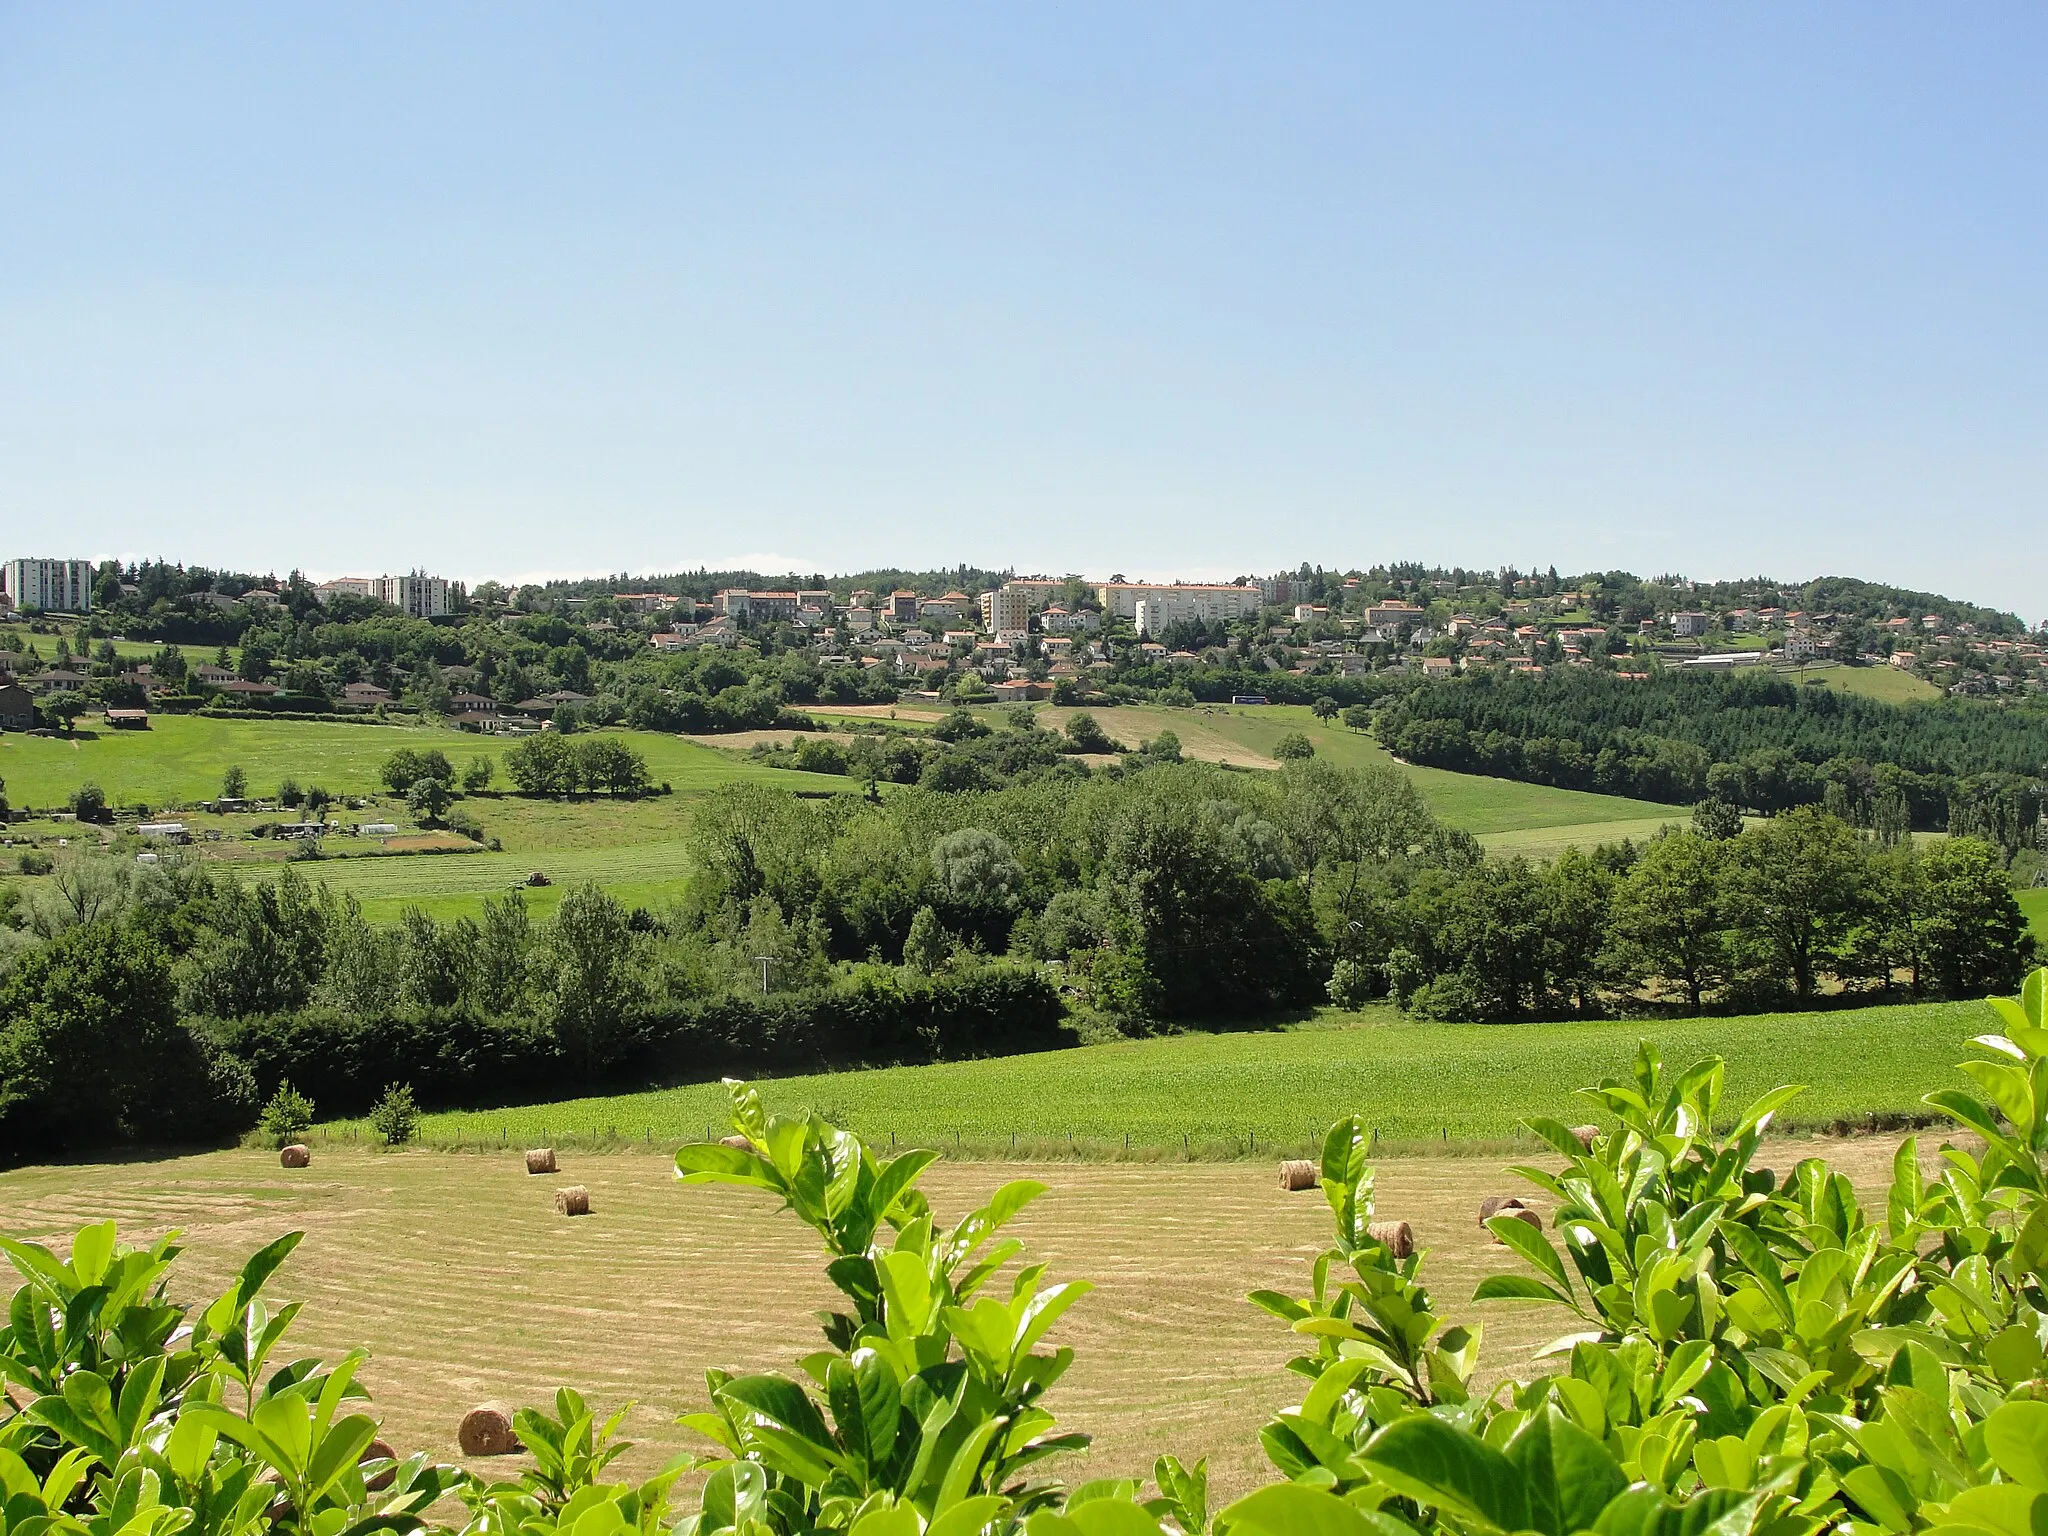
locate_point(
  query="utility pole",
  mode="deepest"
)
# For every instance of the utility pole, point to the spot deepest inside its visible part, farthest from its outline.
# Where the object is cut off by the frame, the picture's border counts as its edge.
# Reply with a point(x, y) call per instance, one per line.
point(764, 961)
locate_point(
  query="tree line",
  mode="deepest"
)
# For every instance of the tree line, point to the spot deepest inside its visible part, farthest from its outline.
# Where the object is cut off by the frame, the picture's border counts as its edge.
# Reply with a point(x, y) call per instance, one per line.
point(1757, 740)
point(932, 922)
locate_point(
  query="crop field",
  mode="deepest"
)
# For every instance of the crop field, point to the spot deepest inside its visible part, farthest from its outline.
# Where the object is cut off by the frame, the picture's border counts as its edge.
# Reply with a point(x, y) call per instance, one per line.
point(1240, 1093)
point(454, 1271)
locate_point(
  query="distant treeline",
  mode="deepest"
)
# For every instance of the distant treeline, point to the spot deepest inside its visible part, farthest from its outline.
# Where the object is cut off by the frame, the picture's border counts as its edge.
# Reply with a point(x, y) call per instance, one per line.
point(1757, 740)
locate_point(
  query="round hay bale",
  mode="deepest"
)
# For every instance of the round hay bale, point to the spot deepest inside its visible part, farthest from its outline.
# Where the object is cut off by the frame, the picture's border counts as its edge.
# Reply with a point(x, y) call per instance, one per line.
point(297, 1155)
point(1397, 1235)
point(377, 1450)
point(1493, 1205)
point(573, 1201)
point(739, 1143)
point(487, 1431)
point(1585, 1136)
point(541, 1160)
point(1300, 1173)
point(1520, 1213)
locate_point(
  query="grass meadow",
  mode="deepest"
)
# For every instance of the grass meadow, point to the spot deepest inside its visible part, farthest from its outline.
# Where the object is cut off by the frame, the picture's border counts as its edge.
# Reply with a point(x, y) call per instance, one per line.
point(1242, 1093)
point(2035, 905)
point(1886, 684)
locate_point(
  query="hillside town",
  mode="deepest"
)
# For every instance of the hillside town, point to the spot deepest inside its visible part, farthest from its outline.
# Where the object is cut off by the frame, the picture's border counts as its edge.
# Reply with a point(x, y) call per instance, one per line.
point(995, 635)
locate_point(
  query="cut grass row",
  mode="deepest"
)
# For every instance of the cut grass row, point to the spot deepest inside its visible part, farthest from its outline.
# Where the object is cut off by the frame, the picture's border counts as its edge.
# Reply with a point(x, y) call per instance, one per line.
point(1235, 1093)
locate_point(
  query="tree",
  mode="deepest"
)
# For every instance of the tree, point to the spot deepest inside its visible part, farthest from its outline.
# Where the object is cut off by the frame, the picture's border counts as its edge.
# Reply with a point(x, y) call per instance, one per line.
point(89, 802)
point(477, 774)
point(589, 993)
point(1358, 717)
point(1085, 734)
point(1668, 920)
point(58, 710)
point(1716, 820)
point(1293, 748)
point(1324, 708)
point(1798, 878)
point(498, 970)
point(543, 764)
point(1163, 748)
point(431, 962)
point(408, 765)
point(1578, 900)
point(927, 946)
point(91, 1049)
point(1975, 934)
point(234, 783)
point(607, 763)
point(427, 799)
point(979, 881)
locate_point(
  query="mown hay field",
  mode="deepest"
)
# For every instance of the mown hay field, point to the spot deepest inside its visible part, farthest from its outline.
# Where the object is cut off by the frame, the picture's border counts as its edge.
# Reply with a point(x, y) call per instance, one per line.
point(1247, 1093)
point(458, 1276)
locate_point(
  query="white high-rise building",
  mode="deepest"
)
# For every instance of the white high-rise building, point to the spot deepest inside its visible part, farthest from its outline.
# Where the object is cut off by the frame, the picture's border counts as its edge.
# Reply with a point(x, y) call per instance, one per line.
point(421, 596)
point(55, 586)
point(1006, 610)
point(1180, 600)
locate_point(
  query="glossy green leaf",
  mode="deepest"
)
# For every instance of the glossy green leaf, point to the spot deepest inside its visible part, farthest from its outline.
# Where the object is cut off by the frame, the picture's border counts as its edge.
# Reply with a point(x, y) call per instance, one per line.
point(1441, 1465)
point(2016, 1435)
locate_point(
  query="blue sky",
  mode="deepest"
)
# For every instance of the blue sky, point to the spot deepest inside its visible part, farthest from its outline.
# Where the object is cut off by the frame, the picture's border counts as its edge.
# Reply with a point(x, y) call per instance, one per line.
point(1169, 290)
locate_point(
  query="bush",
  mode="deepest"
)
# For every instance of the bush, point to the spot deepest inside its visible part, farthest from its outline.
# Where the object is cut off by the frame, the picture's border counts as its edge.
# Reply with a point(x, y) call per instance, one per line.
point(1449, 999)
point(88, 802)
point(1351, 984)
point(1085, 734)
point(396, 1117)
point(1294, 748)
point(34, 861)
point(878, 1014)
point(287, 1117)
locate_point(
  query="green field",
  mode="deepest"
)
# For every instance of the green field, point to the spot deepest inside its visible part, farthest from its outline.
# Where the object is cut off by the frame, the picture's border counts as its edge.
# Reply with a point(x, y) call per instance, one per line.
point(1215, 1094)
point(2035, 905)
point(181, 757)
point(1886, 684)
point(635, 848)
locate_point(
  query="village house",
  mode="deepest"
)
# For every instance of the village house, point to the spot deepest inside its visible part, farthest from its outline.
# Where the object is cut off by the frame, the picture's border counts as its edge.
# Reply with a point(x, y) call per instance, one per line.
point(17, 708)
